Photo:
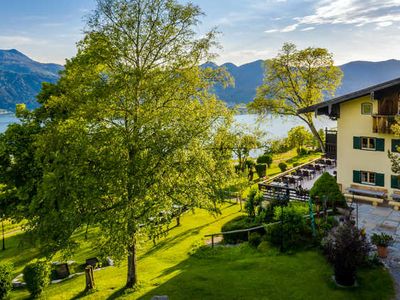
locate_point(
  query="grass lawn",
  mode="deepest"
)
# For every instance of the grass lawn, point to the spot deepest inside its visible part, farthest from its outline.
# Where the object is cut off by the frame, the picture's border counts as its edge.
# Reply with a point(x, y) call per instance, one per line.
point(221, 273)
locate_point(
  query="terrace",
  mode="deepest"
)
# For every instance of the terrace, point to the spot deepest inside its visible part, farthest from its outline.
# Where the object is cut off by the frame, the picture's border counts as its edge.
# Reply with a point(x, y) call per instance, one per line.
point(297, 182)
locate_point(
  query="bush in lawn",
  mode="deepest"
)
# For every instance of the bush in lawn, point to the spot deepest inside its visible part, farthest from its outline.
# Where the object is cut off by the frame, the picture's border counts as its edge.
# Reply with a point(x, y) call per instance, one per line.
point(296, 231)
point(263, 246)
point(37, 277)
point(261, 170)
point(6, 270)
point(346, 248)
point(250, 163)
point(254, 199)
point(301, 151)
point(282, 166)
point(265, 159)
point(242, 222)
point(326, 187)
point(255, 239)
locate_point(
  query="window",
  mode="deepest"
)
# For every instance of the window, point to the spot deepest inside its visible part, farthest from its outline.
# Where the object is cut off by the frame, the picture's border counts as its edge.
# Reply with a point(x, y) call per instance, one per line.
point(366, 108)
point(367, 143)
point(367, 177)
point(370, 178)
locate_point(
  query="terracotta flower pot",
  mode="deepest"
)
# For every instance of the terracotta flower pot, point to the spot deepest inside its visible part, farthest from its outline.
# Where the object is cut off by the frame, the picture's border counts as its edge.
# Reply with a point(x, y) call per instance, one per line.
point(382, 251)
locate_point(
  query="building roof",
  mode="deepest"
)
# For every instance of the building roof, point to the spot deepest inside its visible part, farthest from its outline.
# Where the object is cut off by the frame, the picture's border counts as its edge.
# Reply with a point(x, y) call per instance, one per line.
point(351, 96)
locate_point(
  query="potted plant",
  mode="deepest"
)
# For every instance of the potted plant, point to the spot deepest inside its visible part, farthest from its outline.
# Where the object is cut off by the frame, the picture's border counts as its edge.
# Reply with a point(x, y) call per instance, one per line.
point(346, 248)
point(382, 241)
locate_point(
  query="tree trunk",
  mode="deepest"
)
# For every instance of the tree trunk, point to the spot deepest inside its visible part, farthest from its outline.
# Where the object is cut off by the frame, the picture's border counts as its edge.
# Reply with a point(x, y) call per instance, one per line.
point(132, 272)
point(315, 133)
point(89, 278)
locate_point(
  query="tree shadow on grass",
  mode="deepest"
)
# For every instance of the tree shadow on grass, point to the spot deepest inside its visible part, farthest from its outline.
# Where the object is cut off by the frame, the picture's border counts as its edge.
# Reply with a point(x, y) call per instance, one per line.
point(169, 242)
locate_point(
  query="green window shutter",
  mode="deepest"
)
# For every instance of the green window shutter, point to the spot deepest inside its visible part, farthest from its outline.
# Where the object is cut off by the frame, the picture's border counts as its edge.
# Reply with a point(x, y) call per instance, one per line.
point(356, 142)
point(394, 182)
point(380, 144)
point(356, 176)
point(379, 179)
point(395, 144)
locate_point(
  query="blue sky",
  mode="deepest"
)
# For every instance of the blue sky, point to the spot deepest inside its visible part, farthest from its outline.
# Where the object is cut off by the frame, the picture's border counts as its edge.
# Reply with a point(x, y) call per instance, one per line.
point(47, 30)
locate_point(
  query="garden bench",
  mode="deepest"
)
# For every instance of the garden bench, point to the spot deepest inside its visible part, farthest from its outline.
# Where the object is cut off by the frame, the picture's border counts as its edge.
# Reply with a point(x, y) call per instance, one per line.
point(373, 195)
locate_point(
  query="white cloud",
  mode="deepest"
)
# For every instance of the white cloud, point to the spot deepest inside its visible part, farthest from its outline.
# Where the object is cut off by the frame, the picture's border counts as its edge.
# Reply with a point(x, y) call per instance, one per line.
point(385, 24)
point(14, 41)
point(290, 28)
point(381, 13)
point(271, 30)
point(307, 28)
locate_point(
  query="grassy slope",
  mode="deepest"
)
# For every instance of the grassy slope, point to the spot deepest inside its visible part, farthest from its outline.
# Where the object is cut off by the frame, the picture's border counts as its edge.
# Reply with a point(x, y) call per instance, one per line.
point(153, 261)
point(222, 273)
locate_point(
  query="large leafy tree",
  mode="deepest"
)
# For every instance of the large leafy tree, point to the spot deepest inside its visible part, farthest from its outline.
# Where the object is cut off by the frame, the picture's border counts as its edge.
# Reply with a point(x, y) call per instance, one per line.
point(299, 136)
point(296, 79)
point(131, 131)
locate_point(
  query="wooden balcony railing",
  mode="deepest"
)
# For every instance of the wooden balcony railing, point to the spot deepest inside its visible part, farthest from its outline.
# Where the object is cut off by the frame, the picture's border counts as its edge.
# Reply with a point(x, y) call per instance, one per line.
point(383, 123)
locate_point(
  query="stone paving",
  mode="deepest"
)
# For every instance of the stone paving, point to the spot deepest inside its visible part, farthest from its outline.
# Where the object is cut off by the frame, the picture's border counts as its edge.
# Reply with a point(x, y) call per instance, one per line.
point(383, 219)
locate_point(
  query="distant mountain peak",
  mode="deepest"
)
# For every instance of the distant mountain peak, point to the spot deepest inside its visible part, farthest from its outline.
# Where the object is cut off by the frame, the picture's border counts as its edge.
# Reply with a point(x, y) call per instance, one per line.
point(21, 78)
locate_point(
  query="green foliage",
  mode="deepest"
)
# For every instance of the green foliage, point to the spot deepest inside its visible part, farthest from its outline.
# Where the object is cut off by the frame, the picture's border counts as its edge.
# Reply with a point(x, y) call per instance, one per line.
point(243, 141)
point(295, 230)
point(37, 277)
point(347, 248)
point(254, 199)
point(296, 79)
point(278, 146)
point(302, 151)
point(255, 239)
point(263, 246)
point(265, 159)
point(298, 137)
point(242, 222)
point(250, 163)
point(382, 239)
point(6, 271)
point(261, 170)
point(125, 133)
point(327, 188)
point(282, 166)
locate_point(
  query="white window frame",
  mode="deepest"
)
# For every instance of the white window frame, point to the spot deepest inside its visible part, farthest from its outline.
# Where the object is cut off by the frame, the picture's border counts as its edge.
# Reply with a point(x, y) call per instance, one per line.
point(369, 176)
point(369, 143)
point(364, 105)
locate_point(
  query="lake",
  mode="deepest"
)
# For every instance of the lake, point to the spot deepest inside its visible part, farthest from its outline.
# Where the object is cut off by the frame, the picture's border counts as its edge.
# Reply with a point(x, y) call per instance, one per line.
point(275, 127)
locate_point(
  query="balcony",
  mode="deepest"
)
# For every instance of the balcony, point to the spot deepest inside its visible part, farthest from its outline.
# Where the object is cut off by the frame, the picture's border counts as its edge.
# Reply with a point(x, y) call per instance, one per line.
point(383, 123)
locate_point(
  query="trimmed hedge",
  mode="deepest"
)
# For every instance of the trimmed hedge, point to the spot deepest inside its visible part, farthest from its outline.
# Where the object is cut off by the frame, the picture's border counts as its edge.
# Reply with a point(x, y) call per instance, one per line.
point(282, 166)
point(327, 187)
point(261, 170)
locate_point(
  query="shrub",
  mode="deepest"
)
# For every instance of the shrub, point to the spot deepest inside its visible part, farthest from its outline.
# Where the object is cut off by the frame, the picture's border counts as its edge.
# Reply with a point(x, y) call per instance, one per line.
point(282, 166)
point(261, 170)
point(347, 249)
point(263, 246)
point(37, 277)
point(254, 199)
point(326, 187)
point(265, 159)
point(242, 222)
point(250, 163)
point(6, 270)
point(255, 239)
point(295, 230)
point(301, 151)
point(295, 165)
point(382, 239)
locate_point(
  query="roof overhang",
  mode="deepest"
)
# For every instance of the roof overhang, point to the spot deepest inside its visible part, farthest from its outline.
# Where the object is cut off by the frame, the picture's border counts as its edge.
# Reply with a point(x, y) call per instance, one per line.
point(331, 107)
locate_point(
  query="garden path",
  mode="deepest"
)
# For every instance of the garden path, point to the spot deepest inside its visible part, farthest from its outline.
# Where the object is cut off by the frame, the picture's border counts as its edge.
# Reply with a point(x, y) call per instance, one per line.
point(387, 220)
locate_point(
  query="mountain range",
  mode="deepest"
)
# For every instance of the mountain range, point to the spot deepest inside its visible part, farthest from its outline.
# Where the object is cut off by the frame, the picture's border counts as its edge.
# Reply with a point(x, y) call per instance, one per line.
point(21, 78)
